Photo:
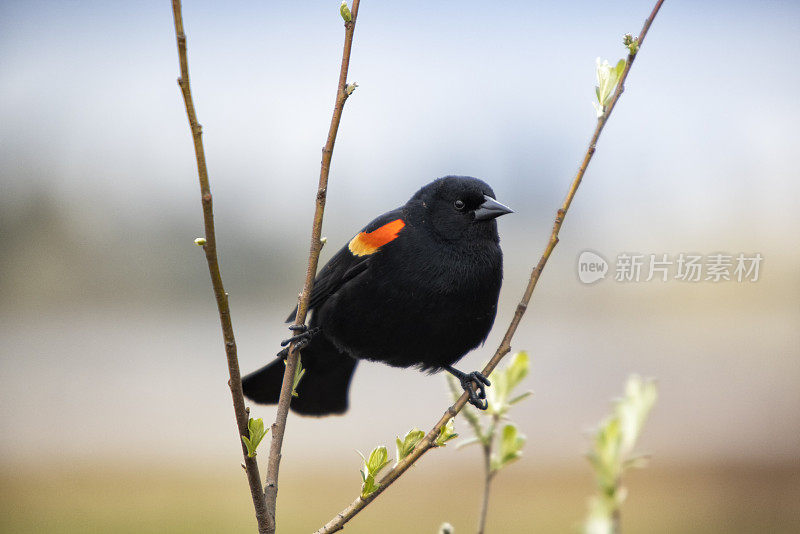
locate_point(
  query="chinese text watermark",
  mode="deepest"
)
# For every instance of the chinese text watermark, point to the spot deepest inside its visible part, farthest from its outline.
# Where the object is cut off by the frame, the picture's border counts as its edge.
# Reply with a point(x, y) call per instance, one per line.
point(683, 267)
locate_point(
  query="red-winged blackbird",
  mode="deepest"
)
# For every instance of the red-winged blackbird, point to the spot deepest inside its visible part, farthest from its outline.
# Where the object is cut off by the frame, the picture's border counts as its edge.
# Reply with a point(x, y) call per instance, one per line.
point(418, 286)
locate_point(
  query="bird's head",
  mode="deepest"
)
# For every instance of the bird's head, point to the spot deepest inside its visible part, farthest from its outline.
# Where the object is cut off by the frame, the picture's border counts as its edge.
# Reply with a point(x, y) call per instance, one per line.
point(458, 207)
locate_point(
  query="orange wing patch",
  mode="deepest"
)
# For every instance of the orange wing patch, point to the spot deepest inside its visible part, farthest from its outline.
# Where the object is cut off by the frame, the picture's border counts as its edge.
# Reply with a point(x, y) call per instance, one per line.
point(367, 243)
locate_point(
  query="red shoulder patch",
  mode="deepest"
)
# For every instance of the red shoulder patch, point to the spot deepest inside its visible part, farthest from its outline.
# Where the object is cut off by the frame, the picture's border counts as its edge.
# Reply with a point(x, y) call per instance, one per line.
point(367, 243)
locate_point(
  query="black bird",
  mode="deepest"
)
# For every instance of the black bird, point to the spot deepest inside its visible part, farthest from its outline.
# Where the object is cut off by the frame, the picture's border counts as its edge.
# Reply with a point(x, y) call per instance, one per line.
point(418, 286)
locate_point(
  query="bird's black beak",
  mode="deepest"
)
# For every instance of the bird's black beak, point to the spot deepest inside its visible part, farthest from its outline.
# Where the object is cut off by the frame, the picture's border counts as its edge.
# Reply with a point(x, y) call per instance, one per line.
point(490, 209)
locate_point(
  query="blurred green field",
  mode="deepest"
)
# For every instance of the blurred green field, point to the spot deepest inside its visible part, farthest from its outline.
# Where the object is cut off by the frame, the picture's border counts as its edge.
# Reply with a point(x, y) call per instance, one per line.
point(101, 498)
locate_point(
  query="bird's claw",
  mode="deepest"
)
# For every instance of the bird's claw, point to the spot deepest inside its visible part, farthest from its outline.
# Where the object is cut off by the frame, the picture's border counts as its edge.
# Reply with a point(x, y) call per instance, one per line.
point(300, 340)
point(304, 333)
point(475, 384)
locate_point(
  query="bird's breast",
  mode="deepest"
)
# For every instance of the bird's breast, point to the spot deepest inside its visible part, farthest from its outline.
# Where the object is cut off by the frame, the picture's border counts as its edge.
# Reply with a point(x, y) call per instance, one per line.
point(423, 306)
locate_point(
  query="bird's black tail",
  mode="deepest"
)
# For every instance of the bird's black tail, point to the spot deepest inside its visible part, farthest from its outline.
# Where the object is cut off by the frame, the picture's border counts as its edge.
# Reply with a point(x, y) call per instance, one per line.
point(323, 388)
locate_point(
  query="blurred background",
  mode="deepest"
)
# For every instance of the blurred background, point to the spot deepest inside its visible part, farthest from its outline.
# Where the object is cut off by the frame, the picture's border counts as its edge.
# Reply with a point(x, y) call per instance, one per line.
point(114, 409)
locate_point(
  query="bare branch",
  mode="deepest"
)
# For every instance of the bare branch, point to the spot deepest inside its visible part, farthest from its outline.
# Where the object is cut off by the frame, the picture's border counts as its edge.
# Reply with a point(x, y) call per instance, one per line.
point(338, 522)
point(279, 427)
point(488, 474)
point(210, 247)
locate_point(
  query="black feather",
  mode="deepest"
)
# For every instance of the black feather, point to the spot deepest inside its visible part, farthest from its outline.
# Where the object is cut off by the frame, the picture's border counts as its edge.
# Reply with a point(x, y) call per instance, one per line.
point(423, 299)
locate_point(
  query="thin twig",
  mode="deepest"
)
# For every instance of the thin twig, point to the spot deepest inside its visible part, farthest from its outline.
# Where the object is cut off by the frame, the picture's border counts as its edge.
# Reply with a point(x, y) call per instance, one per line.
point(487, 484)
point(338, 522)
point(279, 426)
point(488, 473)
point(210, 247)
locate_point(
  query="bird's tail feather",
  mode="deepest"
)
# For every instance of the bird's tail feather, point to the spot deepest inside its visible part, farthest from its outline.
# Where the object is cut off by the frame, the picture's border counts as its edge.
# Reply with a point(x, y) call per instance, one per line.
point(323, 390)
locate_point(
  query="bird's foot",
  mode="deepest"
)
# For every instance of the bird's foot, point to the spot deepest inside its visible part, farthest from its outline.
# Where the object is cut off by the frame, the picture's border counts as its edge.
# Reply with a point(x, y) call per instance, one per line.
point(474, 384)
point(300, 340)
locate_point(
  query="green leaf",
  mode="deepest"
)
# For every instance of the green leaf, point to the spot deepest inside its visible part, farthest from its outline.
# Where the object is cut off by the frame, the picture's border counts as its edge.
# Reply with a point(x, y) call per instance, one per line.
point(619, 68)
point(446, 433)
point(345, 12)
point(378, 459)
point(299, 372)
point(497, 393)
point(607, 80)
point(612, 445)
point(504, 381)
point(511, 443)
point(399, 449)
point(633, 409)
point(256, 429)
point(407, 444)
point(369, 486)
point(517, 369)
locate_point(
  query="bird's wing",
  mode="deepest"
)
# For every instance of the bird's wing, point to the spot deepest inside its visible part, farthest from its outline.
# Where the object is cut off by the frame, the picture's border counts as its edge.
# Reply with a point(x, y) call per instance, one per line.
point(354, 258)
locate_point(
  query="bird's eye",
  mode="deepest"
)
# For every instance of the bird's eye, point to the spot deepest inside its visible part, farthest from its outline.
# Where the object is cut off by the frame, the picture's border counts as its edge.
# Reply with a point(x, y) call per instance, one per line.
point(459, 204)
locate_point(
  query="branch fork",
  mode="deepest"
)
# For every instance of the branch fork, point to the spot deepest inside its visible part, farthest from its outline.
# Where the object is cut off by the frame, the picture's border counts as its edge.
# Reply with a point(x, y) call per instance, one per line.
point(209, 244)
